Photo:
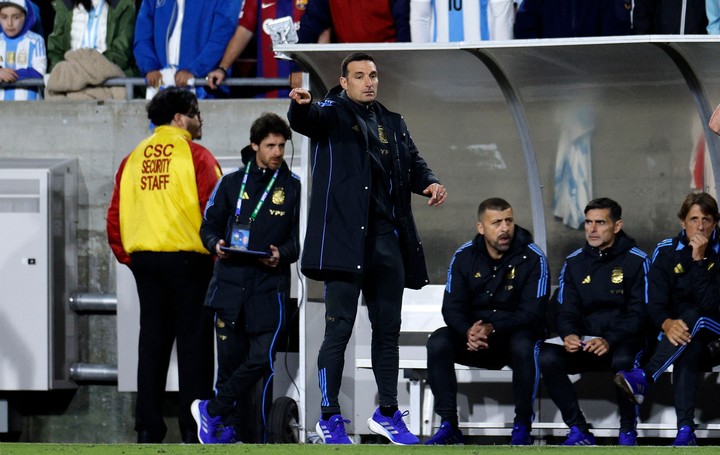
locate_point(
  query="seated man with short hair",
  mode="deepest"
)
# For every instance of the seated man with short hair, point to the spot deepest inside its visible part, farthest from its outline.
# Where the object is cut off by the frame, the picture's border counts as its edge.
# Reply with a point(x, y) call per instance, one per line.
point(600, 316)
point(494, 307)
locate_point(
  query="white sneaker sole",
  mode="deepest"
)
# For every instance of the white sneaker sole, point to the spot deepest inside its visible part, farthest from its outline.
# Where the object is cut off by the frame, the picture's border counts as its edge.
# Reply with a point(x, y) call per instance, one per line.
point(321, 435)
point(379, 429)
point(627, 388)
point(195, 411)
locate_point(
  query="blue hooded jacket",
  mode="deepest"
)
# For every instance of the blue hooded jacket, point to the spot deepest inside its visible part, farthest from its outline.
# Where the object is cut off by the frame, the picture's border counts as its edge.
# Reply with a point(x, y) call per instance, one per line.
point(207, 28)
point(30, 19)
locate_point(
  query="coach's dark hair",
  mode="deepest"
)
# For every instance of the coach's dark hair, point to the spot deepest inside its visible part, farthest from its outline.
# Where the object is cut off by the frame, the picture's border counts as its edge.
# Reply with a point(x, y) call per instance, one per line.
point(269, 123)
point(166, 103)
point(605, 203)
point(354, 57)
point(708, 205)
point(493, 203)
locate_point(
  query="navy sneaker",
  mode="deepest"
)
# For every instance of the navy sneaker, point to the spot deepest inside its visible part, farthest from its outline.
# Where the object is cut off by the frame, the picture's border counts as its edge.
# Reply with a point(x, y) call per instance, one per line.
point(393, 428)
point(520, 435)
point(633, 383)
point(446, 435)
point(627, 438)
point(332, 430)
point(207, 426)
point(227, 435)
point(685, 437)
point(577, 438)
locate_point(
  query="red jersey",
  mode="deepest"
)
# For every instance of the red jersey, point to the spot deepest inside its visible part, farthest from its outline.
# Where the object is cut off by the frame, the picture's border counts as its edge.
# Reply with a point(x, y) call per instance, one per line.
point(254, 13)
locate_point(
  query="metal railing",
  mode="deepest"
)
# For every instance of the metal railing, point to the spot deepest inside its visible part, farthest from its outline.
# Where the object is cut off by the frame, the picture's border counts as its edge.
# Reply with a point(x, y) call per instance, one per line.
point(131, 82)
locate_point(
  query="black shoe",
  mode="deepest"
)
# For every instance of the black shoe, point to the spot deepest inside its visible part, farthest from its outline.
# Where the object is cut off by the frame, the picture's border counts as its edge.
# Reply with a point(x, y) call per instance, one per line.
point(149, 437)
point(714, 348)
point(190, 437)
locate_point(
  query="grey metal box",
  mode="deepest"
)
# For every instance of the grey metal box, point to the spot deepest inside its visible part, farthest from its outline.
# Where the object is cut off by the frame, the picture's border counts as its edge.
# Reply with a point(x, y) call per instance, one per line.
point(38, 271)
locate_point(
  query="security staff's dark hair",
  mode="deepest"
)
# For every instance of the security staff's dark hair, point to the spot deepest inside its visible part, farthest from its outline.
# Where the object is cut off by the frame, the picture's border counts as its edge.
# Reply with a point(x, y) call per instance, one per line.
point(605, 203)
point(170, 101)
point(493, 203)
point(354, 57)
point(708, 205)
point(269, 123)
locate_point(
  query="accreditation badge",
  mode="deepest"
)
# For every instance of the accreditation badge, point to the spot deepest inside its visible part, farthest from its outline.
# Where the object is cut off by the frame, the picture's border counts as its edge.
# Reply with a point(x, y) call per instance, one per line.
point(240, 236)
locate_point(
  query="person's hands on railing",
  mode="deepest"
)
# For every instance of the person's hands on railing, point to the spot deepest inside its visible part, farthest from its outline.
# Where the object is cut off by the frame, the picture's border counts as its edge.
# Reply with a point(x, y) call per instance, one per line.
point(8, 75)
point(215, 78)
point(182, 77)
point(153, 78)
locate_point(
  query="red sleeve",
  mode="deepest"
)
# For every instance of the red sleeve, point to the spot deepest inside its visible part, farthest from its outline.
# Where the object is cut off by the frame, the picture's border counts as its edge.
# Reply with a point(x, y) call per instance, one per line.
point(207, 173)
point(113, 220)
point(249, 16)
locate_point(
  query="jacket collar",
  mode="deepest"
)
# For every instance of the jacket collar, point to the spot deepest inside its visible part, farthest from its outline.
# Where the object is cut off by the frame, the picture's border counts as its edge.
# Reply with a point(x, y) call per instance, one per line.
point(174, 129)
point(69, 3)
point(713, 243)
point(520, 241)
point(622, 244)
point(338, 95)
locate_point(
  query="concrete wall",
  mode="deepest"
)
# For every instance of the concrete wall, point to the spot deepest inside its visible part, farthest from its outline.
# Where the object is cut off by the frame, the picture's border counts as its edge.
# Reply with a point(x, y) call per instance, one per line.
point(100, 135)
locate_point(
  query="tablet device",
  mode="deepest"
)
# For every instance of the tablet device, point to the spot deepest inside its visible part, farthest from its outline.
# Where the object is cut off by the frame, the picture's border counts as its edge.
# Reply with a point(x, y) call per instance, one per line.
point(262, 254)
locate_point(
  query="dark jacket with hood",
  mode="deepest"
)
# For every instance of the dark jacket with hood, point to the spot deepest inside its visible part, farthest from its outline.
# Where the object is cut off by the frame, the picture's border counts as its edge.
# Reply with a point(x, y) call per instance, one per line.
point(510, 293)
point(604, 293)
point(572, 18)
point(670, 17)
point(242, 282)
point(677, 283)
point(341, 186)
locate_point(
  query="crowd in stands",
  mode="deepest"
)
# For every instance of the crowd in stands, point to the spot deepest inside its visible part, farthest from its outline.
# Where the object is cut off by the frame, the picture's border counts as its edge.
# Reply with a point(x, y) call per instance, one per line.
point(91, 41)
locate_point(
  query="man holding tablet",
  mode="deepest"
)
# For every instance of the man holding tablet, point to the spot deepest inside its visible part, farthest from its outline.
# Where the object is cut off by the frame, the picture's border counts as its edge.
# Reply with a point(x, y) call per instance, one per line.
point(251, 223)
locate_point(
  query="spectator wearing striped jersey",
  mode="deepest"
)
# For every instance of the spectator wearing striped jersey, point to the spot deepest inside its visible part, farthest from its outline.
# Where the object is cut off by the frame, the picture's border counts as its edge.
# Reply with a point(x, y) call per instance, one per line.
point(153, 226)
point(442, 21)
point(251, 22)
point(601, 317)
point(22, 52)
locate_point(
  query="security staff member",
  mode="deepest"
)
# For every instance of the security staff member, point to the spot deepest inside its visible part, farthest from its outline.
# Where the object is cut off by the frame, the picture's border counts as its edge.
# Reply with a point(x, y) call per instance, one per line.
point(153, 223)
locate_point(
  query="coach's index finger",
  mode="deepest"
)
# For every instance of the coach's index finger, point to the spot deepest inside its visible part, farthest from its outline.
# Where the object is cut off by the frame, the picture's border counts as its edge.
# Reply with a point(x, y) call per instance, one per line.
point(300, 95)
